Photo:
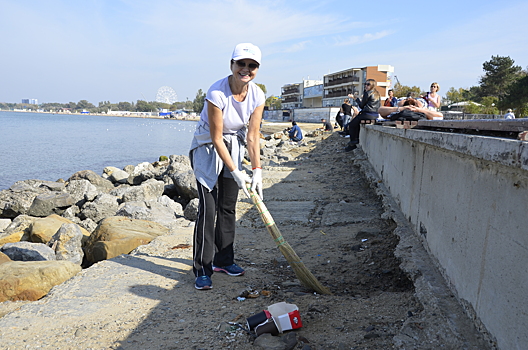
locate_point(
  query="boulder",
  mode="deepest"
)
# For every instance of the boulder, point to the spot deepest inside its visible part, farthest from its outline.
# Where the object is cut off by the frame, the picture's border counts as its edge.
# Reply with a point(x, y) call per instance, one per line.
point(163, 210)
point(267, 152)
point(49, 203)
point(17, 200)
point(27, 251)
point(4, 258)
point(71, 213)
point(185, 184)
point(43, 229)
point(119, 235)
point(18, 230)
point(89, 225)
point(31, 280)
point(12, 238)
point(82, 191)
point(142, 172)
point(116, 175)
point(4, 223)
point(178, 164)
point(67, 243)
point(147, 191)
point(103, 206)
point(191, 210)
point(102, 185)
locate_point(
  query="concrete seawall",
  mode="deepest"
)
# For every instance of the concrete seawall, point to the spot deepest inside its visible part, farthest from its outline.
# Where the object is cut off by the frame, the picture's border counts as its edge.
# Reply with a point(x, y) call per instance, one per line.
point(466, 197)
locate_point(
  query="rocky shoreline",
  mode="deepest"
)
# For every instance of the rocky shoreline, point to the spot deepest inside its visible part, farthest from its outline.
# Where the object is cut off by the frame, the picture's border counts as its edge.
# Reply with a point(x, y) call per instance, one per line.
point(335, 217)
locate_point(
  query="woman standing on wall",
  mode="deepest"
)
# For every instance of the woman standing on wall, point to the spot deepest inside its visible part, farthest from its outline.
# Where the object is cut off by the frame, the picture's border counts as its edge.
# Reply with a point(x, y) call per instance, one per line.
point(370, 103)
point(231, 117)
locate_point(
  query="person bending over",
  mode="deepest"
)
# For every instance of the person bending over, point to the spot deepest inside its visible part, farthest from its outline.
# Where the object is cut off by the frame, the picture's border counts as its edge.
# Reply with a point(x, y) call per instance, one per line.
point(327, 126)
point(230, 118)
point(295, 133)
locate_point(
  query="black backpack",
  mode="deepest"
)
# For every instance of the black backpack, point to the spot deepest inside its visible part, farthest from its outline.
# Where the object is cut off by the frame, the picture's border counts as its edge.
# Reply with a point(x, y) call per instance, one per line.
point(407, 115)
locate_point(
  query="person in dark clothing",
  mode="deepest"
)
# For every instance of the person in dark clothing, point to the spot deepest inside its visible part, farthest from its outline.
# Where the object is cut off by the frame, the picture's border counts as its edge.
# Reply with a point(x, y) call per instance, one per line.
point(295, 133)
point(370, 103)
point(327, 126)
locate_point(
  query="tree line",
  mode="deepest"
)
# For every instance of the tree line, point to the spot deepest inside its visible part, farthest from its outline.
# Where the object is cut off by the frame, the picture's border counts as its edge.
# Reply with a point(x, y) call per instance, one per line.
point(195, 105)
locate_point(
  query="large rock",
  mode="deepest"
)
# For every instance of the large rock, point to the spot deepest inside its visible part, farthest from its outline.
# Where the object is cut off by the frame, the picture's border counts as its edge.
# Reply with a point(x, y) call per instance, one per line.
point(147, 191)
point(178, 164)
point(142, 172)
point(31, 280)
point(116, 175)
point(119, 235)
point(43, 229)
point(82, 191)
point(67, 243)
point(18, 230)
point(163, 210)
point(4, 258)
point(17, 200)
point(191, 210)
point(27, 251)
point(102, 185)
point(103, 206)
point(4, 223)
point(185, 184)
point(50, 203)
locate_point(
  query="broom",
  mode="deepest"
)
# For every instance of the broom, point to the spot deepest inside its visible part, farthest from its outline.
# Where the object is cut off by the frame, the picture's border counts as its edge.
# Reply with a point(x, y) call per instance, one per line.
point(302, 272)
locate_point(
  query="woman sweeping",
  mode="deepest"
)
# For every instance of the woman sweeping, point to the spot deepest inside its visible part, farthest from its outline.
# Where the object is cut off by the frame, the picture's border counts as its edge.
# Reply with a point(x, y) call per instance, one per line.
point(229, 121)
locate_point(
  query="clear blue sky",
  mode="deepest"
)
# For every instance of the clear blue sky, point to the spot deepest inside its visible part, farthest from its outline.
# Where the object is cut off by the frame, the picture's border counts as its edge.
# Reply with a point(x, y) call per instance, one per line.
point(124, 50)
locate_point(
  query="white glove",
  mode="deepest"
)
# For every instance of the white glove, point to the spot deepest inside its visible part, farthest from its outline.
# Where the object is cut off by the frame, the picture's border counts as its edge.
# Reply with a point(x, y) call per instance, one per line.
point(241, 180)
point(256, 181)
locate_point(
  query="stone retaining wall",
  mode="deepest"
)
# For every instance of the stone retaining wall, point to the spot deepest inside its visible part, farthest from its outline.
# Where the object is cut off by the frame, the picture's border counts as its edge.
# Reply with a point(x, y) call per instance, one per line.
point(467, 198)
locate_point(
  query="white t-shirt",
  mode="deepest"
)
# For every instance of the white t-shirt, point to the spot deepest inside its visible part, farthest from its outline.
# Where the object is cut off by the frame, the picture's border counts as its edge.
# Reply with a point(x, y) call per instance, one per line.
point(236, 114)
point(207, 164)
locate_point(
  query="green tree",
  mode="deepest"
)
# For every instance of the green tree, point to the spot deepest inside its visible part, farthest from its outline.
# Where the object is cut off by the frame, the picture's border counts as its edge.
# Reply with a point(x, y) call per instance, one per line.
point(263, 88)
point(499, 73)
point(199, 101)
point(489, 105)
point(83, 104)
point(273, 102)
point(517, 96)
point(455, 95)
point(144, 106)
point(472, 108)
point(403, 90)
point(124, 106)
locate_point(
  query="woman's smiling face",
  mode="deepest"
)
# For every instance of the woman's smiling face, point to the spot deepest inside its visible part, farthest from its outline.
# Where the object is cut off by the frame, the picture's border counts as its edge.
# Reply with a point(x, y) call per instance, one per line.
point(244, 70)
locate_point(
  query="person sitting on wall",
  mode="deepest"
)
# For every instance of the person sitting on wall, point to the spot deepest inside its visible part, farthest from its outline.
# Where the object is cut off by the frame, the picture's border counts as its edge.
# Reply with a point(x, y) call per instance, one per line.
point(391, 101)
point(295, 133)
point(370, 103)
point(327, 126)
point(412, 105)
point(509, 114)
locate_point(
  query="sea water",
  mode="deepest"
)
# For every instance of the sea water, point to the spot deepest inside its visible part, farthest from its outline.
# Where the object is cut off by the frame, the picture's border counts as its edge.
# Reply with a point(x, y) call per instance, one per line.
point(52, 146)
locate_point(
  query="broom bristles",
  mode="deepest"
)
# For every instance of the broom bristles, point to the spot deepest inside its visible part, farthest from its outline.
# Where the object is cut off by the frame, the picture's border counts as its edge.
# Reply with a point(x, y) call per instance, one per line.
point(301, 271)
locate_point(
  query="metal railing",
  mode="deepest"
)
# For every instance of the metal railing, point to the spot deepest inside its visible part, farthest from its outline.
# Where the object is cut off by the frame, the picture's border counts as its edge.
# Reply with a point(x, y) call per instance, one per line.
point(467, 116)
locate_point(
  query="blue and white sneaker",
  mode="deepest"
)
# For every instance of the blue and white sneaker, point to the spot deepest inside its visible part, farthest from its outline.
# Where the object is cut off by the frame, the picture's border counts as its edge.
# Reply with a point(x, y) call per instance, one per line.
point(203, 283)
point(231, 270)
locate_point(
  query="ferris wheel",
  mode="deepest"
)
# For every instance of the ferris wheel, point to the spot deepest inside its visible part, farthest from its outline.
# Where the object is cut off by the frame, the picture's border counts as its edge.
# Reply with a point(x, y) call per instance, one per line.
point(166, 95)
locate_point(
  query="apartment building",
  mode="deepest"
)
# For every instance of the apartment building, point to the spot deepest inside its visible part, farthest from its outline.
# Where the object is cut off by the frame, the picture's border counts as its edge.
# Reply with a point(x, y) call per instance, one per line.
point(337, 86)
point(293, 95)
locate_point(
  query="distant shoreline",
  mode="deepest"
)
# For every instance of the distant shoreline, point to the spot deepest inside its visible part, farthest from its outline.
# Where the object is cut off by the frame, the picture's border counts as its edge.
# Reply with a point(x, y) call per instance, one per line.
point(109, 115)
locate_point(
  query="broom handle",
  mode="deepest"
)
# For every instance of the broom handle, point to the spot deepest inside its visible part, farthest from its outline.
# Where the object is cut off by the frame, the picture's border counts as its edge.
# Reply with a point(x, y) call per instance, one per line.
point(304, 275)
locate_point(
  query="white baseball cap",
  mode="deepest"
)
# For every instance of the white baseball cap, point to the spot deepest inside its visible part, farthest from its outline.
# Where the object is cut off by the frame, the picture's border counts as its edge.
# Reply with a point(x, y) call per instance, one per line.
point(247, 51)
